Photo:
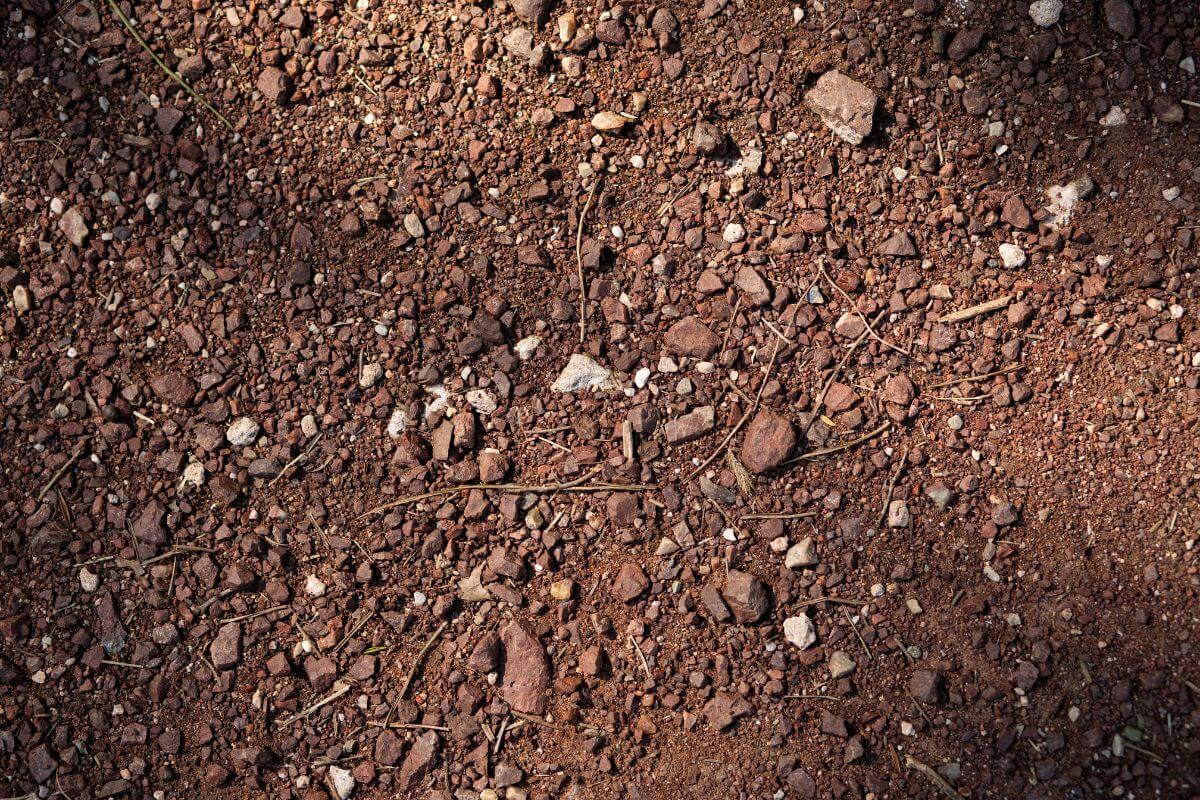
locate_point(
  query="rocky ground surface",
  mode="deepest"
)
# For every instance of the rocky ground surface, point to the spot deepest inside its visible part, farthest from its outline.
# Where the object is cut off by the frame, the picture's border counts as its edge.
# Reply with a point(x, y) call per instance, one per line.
point(544, 399)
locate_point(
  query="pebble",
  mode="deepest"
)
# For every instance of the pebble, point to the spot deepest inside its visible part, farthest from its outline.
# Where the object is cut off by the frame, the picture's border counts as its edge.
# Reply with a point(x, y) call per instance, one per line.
point(846, 106)
point(1045, 12)
point(242, 432)
point(841, 664)
point(1012, 256)
point(581, 373)
point(802, 554)
point(799, 631)
point(770, 440)
point(898, 515)
point(526, 347)
point(526, 679)
point(341, 782)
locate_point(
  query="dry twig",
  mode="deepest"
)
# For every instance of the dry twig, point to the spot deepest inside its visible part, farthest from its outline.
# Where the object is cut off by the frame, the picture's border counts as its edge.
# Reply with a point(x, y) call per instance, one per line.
point(579, 262)
point(412, 673)
point(963, 314)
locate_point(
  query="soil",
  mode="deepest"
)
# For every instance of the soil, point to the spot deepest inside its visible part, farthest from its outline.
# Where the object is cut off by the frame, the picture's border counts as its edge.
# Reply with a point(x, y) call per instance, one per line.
point(540, 399)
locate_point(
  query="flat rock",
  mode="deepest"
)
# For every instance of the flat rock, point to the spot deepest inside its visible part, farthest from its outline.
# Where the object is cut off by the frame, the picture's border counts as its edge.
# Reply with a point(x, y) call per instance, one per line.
point(535, 12)
point(226, 649)
point(73, 226)
point(846, 106)
point(631, 583)
point(898, 245)
point(691, 426)
point(691, 337)
point(581, 373)
point(770, 440)
point(526, 671)
point(1120, 18)
point(420, 760)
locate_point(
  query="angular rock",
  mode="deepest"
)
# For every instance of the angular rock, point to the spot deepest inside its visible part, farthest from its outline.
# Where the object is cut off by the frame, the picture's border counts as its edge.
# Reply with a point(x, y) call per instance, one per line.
point(226, 649)
point(746, 596)
point(691, 337)
point(964, 44)
point(799, 631)
point(1120, 17)
point(526, 671)
point(420, 760)
point(802, 554)
point(770, 440)
point(846, 106)
point(149, 524)
point(174, 388)
point(691, 426)
point(926, 686)
point(535, 12)
point(725, 709)
point(73, 226)
point(898, 245)
point(631, 583)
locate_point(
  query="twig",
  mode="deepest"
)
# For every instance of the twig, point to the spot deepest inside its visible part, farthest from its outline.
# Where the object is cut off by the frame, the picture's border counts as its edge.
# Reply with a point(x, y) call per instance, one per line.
point(303, 455)
point(412, 673)
point(255, 614)
point(513, 488)
point(339, 689)
point(406, 726)
point(825, 451)
point(891, 487)
point(974, 378)
point(854, 308)
point(810, 697)
point(861, 640)
point(641, 656)
point(800, 515)
point(842, 600)
point(42, 140)
point(59, 473)
point(358, 627)
point(535, 720)
point(932, 774)
point(579, 262)
point(986, 307)
point(172, 74)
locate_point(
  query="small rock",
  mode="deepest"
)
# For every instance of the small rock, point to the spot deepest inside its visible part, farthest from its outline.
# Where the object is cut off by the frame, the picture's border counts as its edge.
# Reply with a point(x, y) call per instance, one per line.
point(926, 686)
point(898, 245)
point(526, 671)
point(1045, 12)
point(708, 139)
point(1011, 256)
point(242, 432)
point(341, 782)
point(799, 631)
point(609, 121)
point(691, 337)
point(846, 106)
point(964, 44)
point(631, 583)
point(898, 516)
point(802, 554)
point(841, 664)
point(526, 348)
point(691, 426)
point(1120, 17)
point(769, 442)
point(1114, 118)
point(275, 85)
point(73, 226)
point(746, 596)
point(226, 649)
point(581, 373)
point(535, 12)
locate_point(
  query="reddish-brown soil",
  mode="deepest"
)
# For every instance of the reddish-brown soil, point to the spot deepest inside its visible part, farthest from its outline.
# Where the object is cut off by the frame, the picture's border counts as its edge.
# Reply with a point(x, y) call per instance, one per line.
point(291, 506)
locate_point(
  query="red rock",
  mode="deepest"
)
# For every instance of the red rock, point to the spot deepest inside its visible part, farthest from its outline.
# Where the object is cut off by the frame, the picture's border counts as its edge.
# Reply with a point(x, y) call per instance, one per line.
point(226, 649)
point(174, 388)
point(747, 597)
point(276, 85)
point(726, 708)
point(691, 426)
point(769, 442)
point(526, 670)
point(1016, 213)
point(899, 390)
point(839, 397)
point(844, 104)
point(631, 583)
point(149, 524)
point(419, 761)
point(691, 337)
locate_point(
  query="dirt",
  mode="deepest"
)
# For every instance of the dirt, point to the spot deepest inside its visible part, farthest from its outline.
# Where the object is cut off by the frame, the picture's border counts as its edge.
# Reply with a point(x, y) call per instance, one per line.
point(294, 503)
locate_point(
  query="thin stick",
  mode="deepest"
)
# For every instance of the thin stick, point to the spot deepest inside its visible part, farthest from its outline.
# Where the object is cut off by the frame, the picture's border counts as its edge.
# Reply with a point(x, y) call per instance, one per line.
point(358, 627)
point(825, 451)
point(339, 689)
point(579, 262)
point(412, 673)
point(801, 515)
point(255, 614)
point(839, 600)
point(809, 697)
point(986, 307)
point(891, 487)
point(535, 720)
point(59, 473)
point(406, 726)
point(861, 316)
point(513, 488)
point(931, 773)
point(974, 378)
point(861, 640)
point(172, 74)
point(641, 656)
